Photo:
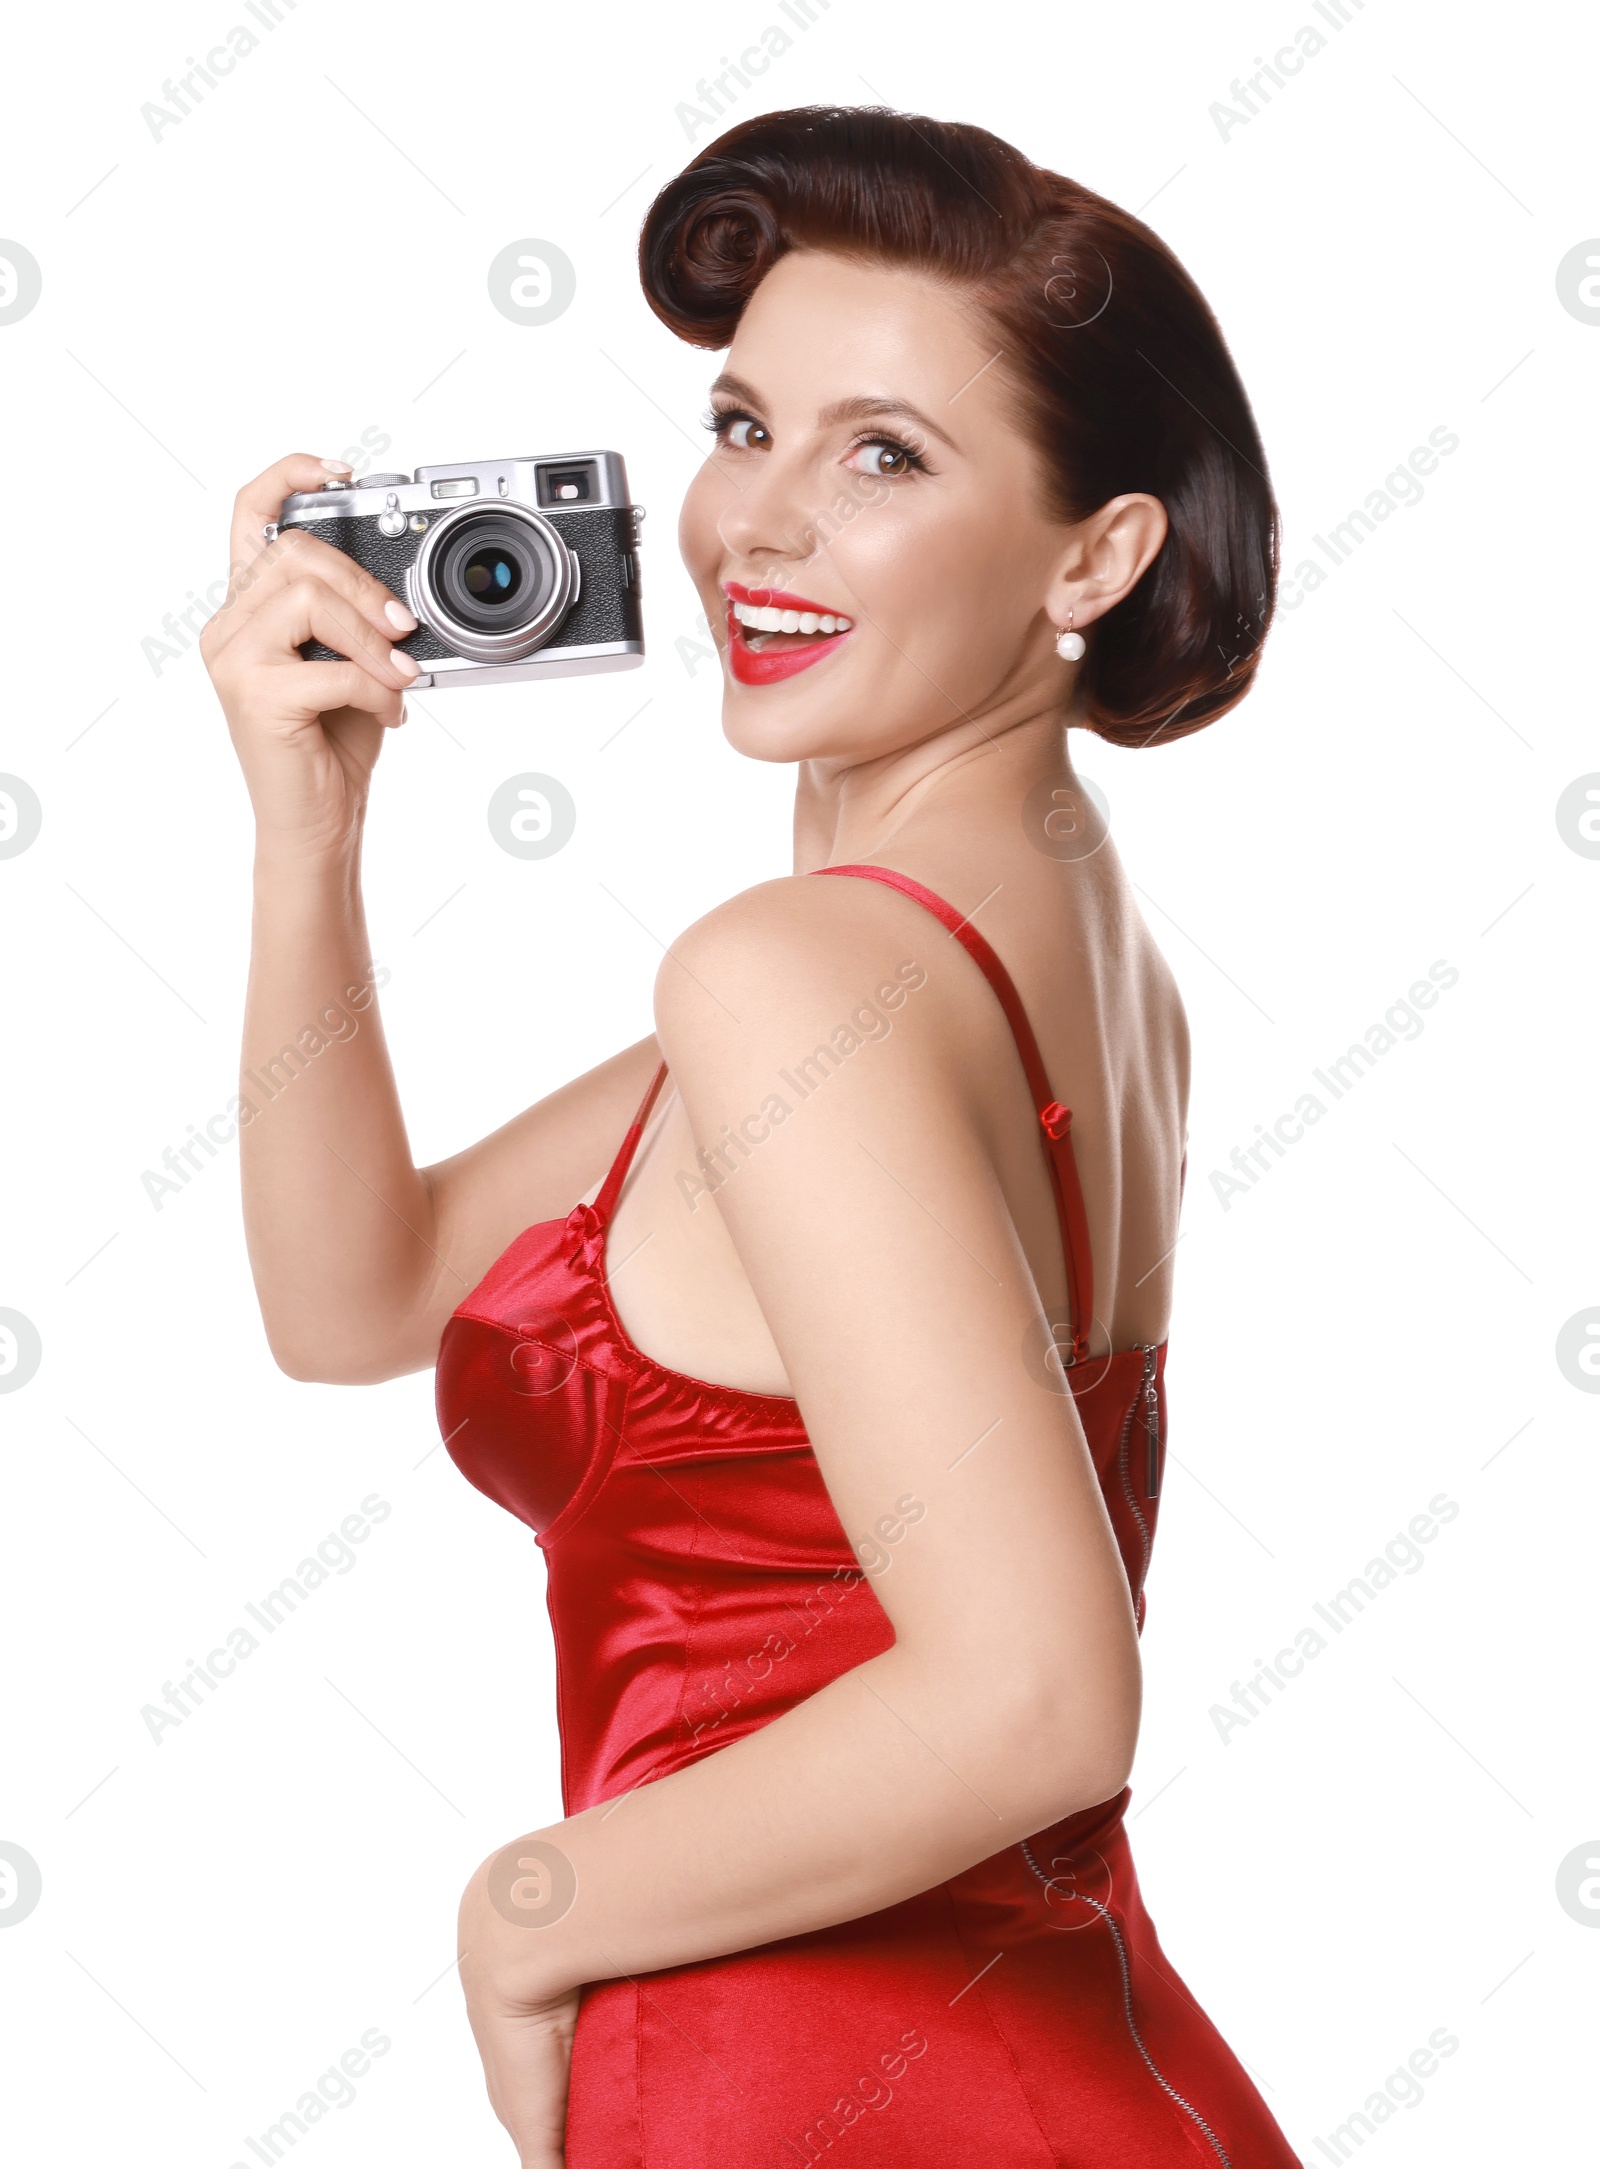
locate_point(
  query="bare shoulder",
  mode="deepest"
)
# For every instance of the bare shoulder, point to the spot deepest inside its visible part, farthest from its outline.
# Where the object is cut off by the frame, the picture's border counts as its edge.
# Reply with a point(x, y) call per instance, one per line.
point(793, 918)
point(791, 952)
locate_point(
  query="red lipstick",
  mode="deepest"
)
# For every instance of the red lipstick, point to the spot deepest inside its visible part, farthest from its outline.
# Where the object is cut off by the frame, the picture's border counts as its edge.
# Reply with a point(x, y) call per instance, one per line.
point(765, 652)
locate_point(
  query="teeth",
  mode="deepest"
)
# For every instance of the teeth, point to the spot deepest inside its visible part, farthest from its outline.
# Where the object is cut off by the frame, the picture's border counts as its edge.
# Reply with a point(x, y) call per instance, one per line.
point(765, 618)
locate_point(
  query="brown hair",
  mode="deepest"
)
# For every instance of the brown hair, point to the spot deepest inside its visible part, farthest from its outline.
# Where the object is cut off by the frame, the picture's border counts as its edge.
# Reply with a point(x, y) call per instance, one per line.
point(1126, 382)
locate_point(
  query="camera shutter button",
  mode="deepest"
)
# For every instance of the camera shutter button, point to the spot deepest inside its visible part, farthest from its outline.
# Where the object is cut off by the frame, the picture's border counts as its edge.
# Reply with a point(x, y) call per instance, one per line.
point(391, 520)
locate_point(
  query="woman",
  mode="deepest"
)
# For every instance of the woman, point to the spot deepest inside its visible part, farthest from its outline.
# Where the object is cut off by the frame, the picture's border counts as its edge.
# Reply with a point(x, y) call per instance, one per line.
point(836, 1400)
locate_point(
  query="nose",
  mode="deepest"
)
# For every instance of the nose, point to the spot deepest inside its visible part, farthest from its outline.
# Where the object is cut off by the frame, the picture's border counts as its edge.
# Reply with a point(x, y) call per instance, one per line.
point(767, 521)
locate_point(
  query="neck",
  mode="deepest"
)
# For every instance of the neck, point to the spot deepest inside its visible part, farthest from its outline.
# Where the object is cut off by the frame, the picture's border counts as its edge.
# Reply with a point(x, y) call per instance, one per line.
point(845, 812)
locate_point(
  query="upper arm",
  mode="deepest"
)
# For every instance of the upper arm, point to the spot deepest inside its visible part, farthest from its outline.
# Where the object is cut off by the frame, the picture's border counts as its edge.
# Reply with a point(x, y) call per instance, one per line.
point(825, 1024)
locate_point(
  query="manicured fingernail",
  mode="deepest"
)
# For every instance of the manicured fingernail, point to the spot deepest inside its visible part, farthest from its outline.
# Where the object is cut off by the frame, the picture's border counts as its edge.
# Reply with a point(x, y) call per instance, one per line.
point(336, 466)
point(403, 663)
point(400, 617)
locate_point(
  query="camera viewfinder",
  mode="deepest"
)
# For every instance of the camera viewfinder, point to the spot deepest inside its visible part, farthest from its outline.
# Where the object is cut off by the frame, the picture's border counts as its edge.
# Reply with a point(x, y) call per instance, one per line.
point(575, 485)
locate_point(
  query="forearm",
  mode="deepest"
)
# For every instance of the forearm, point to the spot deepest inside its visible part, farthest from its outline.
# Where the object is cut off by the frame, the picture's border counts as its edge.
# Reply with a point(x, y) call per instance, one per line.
point(337, 1218)
point(873, 1789)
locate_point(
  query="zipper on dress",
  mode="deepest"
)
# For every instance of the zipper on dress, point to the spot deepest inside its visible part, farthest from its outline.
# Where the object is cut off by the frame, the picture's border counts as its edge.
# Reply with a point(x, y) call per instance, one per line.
point(1139, 1405)
point(1152, 1425)
point(1105, 1912)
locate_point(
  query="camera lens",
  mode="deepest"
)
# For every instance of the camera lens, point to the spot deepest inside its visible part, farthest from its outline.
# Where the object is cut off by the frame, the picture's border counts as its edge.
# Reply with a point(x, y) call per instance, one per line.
point(493, 582)
point(494, 574)
point(491, 574)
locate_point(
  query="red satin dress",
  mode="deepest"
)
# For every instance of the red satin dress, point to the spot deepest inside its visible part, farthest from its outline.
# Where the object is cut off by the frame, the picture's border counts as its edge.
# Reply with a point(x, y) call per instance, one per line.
point(1019, 2016)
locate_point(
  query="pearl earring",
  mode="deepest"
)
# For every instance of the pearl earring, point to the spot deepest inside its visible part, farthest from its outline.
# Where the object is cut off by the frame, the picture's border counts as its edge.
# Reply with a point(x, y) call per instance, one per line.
point(1070, 645)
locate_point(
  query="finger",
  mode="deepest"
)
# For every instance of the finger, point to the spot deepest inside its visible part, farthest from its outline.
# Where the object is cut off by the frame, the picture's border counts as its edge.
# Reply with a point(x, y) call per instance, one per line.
point(309, 609)
point(297, 555)
point(298, 692)
point(261, 499)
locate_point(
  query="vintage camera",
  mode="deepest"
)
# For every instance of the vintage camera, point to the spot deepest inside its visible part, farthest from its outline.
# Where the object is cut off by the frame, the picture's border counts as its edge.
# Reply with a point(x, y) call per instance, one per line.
point(513, 568)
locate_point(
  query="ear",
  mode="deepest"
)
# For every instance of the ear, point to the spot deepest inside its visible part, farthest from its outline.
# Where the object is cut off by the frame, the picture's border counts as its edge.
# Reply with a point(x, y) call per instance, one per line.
point(1106, 556)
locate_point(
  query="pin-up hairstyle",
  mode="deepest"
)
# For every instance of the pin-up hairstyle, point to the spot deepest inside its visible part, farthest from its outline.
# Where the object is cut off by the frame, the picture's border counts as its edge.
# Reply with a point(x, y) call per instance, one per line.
point(1121, 374)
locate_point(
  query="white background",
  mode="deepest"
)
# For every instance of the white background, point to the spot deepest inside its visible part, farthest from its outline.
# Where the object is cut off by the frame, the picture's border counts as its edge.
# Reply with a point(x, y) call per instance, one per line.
point(303, 258)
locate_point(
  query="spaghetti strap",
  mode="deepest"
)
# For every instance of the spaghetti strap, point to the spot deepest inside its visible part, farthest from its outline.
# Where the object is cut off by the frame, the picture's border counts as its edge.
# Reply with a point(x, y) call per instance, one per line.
point(1055, 1121)
point(605, 1201)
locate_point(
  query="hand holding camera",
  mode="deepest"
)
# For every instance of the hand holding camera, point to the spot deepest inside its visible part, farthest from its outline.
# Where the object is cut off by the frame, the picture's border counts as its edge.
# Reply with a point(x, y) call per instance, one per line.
point(344, 592)
point(306, 733)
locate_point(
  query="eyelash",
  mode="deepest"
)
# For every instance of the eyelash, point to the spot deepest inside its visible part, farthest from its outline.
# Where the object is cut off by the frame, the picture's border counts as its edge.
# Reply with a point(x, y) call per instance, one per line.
point(720, 419)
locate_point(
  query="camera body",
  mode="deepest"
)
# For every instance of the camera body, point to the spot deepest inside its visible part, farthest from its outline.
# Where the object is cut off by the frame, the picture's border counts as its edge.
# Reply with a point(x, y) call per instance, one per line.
point(513, 568)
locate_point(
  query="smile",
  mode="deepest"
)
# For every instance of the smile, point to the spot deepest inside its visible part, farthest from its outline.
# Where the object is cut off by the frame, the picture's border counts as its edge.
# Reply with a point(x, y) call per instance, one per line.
point(772, 634)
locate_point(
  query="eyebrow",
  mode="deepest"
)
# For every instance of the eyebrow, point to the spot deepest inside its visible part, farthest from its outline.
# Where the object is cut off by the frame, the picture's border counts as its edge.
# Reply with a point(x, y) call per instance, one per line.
point(859, 409)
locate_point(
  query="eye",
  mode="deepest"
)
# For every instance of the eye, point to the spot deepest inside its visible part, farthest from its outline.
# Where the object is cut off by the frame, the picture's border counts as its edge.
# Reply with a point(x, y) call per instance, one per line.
point(731, 425)
point(885, 456)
